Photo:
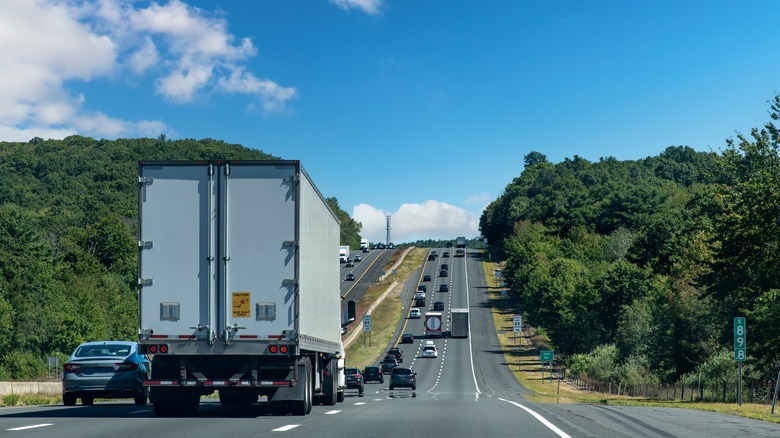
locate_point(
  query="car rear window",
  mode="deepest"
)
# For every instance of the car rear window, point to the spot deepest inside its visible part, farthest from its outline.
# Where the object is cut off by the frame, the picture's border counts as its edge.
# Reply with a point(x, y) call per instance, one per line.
point(402, 371)
point(103, 350)
point(351, 370)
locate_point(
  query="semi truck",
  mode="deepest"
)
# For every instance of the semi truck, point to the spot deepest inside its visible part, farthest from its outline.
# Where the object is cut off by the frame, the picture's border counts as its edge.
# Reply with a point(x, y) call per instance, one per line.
point(459, 327)
point(234, 295)
point(433, 324)
point(344, 254)
point(364, 245)
point(460, 242)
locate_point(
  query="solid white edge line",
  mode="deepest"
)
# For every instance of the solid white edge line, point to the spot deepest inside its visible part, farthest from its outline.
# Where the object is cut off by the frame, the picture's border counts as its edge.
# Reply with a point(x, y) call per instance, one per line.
point(541, 419)
point(34, 426)
point(285, 428)
point(468, 306)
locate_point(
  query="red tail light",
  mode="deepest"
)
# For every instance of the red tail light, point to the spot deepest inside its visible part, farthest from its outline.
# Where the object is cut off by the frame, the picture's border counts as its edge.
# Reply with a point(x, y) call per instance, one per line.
point(283, 349)
point(152, 349)
point(163, 348)
point(273, 349)
point(126, 366)
point(72, 367)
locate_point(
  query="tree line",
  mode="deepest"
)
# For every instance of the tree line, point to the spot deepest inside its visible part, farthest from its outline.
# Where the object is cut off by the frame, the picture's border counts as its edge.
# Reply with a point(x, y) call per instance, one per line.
point(68, 241)
point(635, 270)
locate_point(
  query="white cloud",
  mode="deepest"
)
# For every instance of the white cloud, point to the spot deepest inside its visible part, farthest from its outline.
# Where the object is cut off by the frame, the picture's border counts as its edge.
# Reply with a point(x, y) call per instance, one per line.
point(371, 7)
point(428, 220)
point(48, 45)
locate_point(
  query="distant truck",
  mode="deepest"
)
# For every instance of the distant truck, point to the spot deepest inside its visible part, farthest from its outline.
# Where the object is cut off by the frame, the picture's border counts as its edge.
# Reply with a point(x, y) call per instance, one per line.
point(460, 252)
point(344, 254)
point(364, 245)
point(460, 242)
point(433, 324)
point(459, 327)
point(234, 295)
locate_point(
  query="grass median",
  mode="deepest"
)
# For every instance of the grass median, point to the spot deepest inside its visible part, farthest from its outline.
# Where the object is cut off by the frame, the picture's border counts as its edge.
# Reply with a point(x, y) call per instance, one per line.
point(386, 316)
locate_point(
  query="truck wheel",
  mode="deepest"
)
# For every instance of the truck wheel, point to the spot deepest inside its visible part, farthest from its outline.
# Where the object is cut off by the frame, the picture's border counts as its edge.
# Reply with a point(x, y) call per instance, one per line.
point(302, 407)
point(69, 399)
point(330, 385)
point(340, 397)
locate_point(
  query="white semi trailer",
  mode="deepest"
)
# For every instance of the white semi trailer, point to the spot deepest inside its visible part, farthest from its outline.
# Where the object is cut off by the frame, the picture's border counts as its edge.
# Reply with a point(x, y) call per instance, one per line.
point(235, 295)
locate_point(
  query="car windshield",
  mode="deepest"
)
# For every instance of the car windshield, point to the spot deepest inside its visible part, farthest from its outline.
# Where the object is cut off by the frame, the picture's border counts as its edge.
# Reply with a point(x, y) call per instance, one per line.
point(115, 350)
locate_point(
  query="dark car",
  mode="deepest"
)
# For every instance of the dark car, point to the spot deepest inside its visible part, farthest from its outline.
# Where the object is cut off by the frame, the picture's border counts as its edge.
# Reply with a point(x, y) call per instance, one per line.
point(449, 245)
point(438, 305)
point(350, 277)
point(426, 278)
point(407, 338)
point(349, 264)
point(402, 377)
point(445, 254)
point(389, 363)
point(443, 273)
point(354, 379)
point(373, 374)
point(397, 353)
point(105, 369)
point(432, 258)
point(444, 288)
point(422, 287)
point(445, 266)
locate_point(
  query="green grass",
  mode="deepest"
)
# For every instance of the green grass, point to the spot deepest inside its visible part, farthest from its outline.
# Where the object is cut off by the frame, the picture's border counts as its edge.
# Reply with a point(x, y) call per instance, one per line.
point(385, 318)
point(522, 355)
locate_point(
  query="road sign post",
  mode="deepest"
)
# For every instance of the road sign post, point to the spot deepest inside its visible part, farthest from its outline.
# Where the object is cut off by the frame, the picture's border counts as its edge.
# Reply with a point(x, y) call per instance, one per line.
point(546, 356)
point(366, 329)
point(517, 327)
point(740, 351)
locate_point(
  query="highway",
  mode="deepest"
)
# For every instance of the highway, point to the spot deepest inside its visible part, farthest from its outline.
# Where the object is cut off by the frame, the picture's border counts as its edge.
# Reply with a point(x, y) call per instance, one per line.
point(467, 391)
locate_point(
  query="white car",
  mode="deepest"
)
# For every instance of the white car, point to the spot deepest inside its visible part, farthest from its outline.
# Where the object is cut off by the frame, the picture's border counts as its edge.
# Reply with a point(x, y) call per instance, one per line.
point(430, 351)
point(415, 313)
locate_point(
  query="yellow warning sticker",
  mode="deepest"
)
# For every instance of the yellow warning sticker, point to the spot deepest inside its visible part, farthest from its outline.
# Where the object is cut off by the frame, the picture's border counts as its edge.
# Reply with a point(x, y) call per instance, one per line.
point(240, 304)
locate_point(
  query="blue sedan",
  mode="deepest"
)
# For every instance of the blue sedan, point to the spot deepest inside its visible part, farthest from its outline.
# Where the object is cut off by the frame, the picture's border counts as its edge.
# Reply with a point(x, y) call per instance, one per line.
point(105, 369)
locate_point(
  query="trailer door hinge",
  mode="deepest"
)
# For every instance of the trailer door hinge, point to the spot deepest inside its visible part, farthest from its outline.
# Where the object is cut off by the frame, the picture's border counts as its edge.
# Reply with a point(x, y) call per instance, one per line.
point(148, 180)
point(145, 244)
point(145, 281)
point(291, 179)
point(289, 243)
point(288, 282)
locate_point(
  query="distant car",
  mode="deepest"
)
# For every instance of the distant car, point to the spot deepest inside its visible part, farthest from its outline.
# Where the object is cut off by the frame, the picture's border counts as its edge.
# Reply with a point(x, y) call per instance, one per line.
point(105, 369)
point(422, 287)
point(373, 374)
point(443, 273)
point(449, 245)
point(430, 351)
point(419, 294)
point(444, 288)
point(354, 379)
point(434, 252)
point(349, 264)
point(415, 313)
point(445, 254)
point(407, 338)
point(419, 302)
point(432, 258)
point(365, 249)
point(445, 266)
point(426, 278)
point(350, 277)
point(438, 305)
point(357, 259)
point(402, 377)
point(397, 353)
point(389, 363)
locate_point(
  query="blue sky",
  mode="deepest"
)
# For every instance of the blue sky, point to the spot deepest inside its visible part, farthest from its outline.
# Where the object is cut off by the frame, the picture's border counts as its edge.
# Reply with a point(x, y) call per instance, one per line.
point(421, 109)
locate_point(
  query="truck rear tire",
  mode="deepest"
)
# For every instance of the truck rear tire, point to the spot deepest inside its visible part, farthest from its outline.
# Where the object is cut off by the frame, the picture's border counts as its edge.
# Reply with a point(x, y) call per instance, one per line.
point(340, 397)
point(330, 386)
point(303, 407)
